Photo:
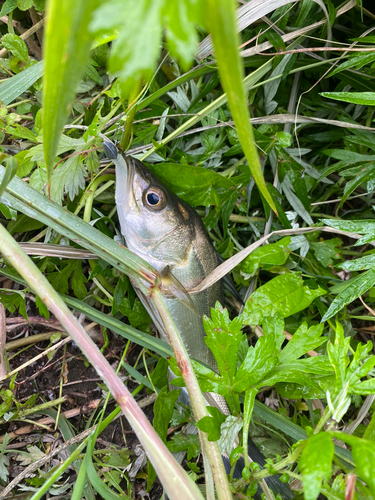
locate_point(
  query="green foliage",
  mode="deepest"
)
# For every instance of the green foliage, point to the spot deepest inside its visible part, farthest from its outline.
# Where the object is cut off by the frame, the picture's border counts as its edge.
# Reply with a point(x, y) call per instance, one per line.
point(297, 281)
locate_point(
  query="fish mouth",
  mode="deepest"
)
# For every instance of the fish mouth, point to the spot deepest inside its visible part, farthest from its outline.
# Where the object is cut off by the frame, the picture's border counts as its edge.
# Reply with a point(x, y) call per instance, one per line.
point(125, 171)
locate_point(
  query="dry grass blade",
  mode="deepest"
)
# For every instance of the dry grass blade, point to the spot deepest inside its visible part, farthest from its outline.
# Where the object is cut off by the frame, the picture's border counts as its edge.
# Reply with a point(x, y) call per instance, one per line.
point(292, 36)
point(231, 263)
point(248, 14)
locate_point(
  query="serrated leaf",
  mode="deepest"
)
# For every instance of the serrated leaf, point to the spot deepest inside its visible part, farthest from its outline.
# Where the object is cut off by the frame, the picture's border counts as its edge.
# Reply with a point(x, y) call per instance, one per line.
point(285, 294)
point(135, 50)
point(223, 339)
point(67, 46)
point(180, 19)
point(259, 362)
point(357, 287)
point(316, 463)
point(303, 340)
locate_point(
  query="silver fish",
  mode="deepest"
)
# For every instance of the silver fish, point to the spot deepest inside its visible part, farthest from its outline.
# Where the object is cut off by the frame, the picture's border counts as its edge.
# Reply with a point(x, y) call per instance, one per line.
point(166, 232)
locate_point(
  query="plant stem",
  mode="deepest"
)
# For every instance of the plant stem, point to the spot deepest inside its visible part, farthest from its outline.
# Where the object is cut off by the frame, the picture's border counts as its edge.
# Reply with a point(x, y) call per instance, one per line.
point(197, 402)
point(171, 474)
point(132, 108)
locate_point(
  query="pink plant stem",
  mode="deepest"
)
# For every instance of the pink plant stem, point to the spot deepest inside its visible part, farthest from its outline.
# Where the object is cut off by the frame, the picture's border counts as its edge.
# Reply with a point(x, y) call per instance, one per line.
point(173, 477)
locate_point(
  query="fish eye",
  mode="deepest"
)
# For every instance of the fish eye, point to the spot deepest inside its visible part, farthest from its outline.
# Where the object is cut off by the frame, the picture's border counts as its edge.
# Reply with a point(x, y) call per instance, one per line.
point(155, 198)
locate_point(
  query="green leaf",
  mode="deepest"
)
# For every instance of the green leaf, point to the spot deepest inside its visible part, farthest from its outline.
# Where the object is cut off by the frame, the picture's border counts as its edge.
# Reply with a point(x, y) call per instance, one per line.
point(11, 165)
point(20, 132)
point(42, 308)
point(136, 48)
point(7, 7)
point(364, 98)
point(285, 294)
point(78, 281)
point(181, 442)
point(13, 301)
point(212, 424)
point(24, 4)
point(16, 85)
point(163, 411)
point(229, 432)
point(193, 184)
point(220, 17)
point(180, 19)
point(327, 250)
point(259, 362)
point(366, 262)
point(275, 254)
point(304, 339)
point(316, 463)
point(357, 287)
point(16, 46)
point(67, 46)
point(223, 338)
point(364, 457)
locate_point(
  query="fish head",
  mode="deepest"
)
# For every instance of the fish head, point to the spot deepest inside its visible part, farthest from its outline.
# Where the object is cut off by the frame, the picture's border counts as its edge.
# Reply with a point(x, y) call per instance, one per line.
point(154, 221)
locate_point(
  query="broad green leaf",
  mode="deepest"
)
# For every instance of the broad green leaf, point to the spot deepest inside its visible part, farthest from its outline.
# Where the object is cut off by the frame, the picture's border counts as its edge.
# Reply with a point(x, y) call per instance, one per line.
point(275, 254)
point(67, 46)
point(13, 87)
point(16, 46)
point(285, 294)
point(316, 463)
point(364, 98)
point(195, 185)
point(181, 442)
point(358, 287)
point(304, 339)
point(220, 17)
point(363, 451)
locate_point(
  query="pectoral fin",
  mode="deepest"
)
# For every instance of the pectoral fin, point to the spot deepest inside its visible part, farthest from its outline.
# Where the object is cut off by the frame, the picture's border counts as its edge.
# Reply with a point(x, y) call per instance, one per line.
point(175, 288)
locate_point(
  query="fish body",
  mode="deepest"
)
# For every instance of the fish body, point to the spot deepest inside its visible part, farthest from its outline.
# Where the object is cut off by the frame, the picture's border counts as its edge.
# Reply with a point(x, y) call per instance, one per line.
point(166, 232)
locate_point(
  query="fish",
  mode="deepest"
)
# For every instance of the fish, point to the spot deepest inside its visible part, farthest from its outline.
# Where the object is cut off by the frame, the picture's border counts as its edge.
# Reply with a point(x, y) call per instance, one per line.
point(169, 234)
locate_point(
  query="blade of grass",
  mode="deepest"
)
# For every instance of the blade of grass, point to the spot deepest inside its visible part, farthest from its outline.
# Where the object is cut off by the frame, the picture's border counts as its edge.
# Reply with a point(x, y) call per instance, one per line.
point(67, 46)
point(222, 26)
point(18, 84)
point(33, 204)
point(171, 474)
